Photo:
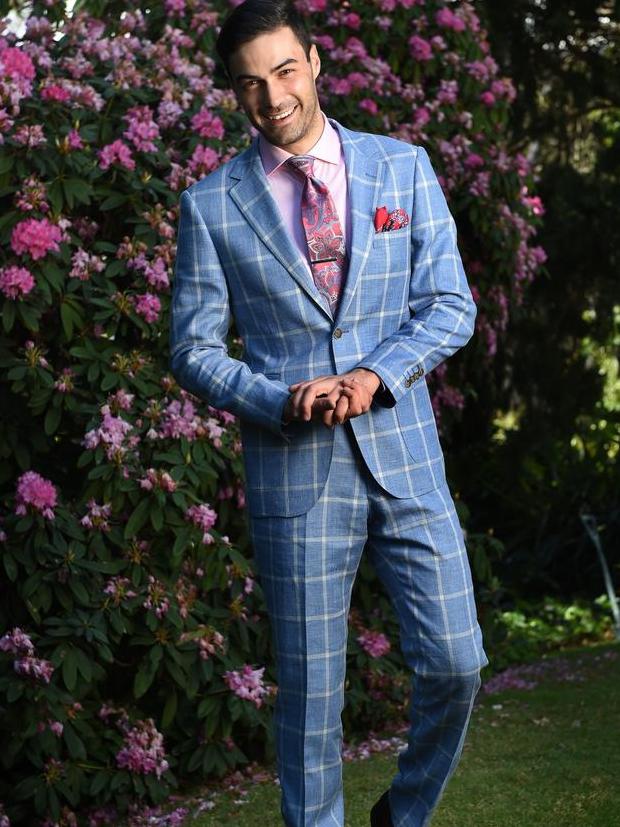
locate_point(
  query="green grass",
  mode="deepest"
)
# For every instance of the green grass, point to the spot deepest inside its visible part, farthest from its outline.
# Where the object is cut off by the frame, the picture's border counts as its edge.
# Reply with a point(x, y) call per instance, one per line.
point(546, 757)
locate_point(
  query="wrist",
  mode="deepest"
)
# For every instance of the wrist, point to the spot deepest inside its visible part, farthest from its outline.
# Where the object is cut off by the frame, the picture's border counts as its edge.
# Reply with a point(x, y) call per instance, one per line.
point(370, 379)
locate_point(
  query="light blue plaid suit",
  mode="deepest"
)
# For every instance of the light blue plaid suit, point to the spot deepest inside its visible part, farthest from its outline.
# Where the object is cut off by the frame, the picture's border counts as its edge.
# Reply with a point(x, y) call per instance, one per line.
point(316, 496)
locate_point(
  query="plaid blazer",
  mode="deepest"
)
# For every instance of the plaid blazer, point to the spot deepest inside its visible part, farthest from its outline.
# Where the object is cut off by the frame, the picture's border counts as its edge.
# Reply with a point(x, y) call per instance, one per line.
point(404, 308)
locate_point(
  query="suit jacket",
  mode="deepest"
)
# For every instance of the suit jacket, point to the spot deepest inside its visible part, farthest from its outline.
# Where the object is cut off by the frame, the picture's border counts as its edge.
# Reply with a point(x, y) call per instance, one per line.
point(405, 307)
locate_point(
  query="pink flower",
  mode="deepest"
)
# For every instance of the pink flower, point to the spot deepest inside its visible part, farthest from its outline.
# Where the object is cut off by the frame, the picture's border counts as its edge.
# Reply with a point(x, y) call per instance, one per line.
point(16, 282)
point(157, 597)
point(30, 135)
point(97, 516)
point(116, 152)
point(34, 668)
point(203, 160)
point(247, 683)
point(369, 105)
point(37, 237)
point(143, 751)
point(487, 98)
point(420, 49)
point(16, 642)
point(204, 517)
point(53, 92)
point(148, 306)
point(448, 20)
point(375, 644)
point(474, 161)
point(74, 140)
point(174, 7)
point(207, 125)
point(119, 589)
point(38, 493)
point(83, 265)
point(142, 129)
point(16, 64)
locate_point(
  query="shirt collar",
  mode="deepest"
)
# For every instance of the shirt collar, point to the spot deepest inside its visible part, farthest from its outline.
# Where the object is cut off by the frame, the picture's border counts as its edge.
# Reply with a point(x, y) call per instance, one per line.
point(327, 148)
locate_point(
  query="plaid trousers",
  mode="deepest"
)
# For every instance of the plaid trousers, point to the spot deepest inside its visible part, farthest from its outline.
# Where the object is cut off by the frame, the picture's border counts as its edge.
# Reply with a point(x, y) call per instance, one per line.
point(306, 565)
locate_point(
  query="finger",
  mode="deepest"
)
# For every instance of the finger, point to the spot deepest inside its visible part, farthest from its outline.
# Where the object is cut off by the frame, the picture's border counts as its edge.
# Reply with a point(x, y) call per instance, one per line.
point(340, 412)
point(359, 400)
point(328, 419)
point(355, 403)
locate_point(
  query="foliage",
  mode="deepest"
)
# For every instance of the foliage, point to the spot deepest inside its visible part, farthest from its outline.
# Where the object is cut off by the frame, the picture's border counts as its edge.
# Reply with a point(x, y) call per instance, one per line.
point(556, 427)
point(530, 629)
point(135, 646)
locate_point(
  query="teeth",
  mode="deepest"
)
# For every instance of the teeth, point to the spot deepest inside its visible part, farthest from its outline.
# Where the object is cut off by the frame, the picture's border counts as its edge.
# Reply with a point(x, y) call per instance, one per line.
point(283, 115)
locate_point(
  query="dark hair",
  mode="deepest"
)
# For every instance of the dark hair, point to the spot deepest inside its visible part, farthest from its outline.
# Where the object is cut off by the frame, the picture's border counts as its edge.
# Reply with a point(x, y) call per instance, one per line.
point(254, 17)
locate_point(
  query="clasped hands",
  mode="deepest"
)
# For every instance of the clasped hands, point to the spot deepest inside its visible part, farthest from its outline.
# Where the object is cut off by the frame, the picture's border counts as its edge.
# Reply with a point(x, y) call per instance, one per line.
point(332, 399)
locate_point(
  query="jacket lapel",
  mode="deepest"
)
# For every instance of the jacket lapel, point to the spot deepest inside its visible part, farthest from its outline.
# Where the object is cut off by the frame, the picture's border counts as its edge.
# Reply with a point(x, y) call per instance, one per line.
point(251, 193)
point(364, 180)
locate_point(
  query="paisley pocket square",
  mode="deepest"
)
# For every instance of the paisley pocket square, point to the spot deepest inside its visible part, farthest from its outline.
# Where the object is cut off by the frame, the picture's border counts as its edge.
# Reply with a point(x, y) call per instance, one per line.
point(385, 221)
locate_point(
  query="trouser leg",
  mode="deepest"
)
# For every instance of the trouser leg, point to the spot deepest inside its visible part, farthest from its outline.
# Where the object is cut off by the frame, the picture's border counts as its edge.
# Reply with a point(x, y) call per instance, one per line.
point(306, 566)
point(417, 549)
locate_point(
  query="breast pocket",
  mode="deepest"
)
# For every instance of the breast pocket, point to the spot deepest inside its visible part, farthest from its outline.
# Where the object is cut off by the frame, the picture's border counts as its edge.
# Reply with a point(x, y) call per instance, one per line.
point(390, 251)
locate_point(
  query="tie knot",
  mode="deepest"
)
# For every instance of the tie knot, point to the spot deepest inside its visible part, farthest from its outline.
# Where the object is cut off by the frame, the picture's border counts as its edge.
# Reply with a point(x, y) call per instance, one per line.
point(303, 164)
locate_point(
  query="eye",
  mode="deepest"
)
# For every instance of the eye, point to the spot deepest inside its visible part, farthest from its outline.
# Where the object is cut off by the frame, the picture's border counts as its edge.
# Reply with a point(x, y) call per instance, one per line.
point(286, 71)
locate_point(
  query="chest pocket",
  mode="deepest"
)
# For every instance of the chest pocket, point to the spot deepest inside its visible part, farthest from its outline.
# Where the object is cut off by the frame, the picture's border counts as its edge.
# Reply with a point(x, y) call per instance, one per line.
point(390, 251)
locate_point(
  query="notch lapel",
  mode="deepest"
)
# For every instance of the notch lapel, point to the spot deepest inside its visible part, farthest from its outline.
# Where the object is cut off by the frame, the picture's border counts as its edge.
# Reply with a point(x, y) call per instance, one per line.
point(252, 194)
point(364, 180)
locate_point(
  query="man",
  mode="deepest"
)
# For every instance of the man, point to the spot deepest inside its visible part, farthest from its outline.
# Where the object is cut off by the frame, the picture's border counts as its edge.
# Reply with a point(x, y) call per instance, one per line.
point(336, 255)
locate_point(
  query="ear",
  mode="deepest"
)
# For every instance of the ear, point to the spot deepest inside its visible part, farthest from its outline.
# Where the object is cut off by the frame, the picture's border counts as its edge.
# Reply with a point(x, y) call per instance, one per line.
point(315, 60)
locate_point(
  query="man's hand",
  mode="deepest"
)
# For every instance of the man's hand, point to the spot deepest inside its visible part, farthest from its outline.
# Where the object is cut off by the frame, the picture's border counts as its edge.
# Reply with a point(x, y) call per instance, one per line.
point(344, 396)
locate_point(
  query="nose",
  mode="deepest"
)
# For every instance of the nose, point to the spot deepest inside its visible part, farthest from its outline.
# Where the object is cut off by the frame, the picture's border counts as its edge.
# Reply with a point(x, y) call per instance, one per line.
point(272, 97)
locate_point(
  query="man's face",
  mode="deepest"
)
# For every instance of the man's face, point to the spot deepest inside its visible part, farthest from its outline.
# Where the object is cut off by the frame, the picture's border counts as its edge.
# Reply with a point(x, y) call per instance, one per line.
point(272, 76)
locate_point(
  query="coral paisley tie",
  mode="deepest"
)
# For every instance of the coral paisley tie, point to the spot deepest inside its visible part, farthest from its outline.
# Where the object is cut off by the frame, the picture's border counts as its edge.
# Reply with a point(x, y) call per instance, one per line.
point(326, 247)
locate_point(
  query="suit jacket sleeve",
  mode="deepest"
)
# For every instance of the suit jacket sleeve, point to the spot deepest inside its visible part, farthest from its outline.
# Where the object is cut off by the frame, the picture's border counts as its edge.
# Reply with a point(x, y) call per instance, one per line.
point(440, 301)
point(200, 320)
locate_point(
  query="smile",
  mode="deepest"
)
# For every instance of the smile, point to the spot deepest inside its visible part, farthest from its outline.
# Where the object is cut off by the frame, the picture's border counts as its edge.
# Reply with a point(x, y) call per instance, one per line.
point(282, 116)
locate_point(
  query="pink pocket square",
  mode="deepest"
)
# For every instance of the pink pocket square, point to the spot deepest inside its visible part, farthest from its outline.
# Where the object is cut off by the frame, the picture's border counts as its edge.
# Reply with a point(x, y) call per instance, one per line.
point(385, 221)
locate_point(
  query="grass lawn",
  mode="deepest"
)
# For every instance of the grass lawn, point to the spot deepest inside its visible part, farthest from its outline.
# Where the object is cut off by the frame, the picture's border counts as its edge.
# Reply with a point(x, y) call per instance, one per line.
point(542, 757)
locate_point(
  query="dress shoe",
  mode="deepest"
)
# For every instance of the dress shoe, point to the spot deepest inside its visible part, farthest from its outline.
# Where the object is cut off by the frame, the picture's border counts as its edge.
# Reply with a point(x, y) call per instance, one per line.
point(380, 815)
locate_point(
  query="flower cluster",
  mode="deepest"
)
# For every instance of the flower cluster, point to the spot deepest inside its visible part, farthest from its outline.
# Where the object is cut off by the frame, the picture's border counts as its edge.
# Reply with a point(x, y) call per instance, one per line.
point(35, 493)
point(15, 281)
point(204, 517)
point(17, 642)
point(373, 643)
point(209, 640)
point(36, 237)
point(143, 749)
point(97, 517)
point(247, 683)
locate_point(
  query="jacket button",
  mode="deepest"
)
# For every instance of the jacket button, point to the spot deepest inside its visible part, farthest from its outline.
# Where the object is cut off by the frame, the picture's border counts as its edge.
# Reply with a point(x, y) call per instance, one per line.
point(337, 333)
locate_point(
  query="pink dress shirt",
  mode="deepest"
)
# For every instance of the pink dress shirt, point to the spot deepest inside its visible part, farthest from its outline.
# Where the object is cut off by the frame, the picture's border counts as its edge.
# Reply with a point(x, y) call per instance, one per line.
point(287, 186)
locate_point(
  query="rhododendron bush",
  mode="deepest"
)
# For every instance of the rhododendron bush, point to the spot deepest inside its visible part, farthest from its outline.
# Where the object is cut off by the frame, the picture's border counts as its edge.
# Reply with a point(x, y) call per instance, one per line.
point(134, 644)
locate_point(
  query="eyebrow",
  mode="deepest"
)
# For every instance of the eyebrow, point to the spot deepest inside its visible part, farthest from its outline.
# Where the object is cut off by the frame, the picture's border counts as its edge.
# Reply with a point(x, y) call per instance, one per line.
point(275, 69)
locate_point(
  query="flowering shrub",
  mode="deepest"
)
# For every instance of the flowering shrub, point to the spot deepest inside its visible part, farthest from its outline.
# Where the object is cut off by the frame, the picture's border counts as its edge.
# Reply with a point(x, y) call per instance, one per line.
point(134, 642)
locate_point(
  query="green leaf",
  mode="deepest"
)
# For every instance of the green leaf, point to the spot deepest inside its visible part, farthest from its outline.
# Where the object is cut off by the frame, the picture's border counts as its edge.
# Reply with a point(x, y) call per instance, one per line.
point(169, 710)
point(157, 518)
point(143, 679)
point(52, 420)
point(138, 518)
point(112, 201)
point(74, 742)
point(69, 669)
point(8, 315)
point(10, 566)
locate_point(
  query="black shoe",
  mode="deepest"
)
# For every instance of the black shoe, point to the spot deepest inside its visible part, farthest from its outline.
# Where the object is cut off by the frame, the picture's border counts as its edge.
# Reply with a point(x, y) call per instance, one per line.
point(380, 815)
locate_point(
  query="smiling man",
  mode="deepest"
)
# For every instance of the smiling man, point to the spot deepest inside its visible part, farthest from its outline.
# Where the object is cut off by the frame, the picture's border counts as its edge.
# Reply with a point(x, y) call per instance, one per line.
point(335, 253)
